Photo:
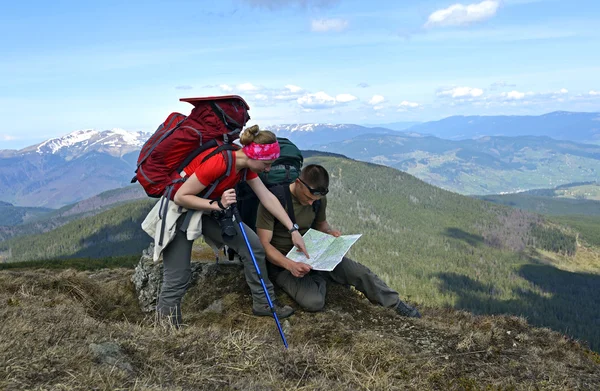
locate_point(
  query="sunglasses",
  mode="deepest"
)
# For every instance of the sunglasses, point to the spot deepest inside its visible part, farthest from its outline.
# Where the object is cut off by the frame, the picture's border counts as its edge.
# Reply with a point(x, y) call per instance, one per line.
point(317, 192)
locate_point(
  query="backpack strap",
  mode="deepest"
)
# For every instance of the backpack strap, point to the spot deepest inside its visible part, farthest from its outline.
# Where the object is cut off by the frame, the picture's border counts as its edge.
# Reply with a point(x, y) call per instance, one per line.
point(316, 206)
point(226, 149)
point(229, 122)
point(290, 204)
point(280, 192)
point(209, 144)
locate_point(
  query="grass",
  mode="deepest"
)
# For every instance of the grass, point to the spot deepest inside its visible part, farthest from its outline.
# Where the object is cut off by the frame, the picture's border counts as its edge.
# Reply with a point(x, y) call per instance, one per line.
point(351, 345)
point(126, 261)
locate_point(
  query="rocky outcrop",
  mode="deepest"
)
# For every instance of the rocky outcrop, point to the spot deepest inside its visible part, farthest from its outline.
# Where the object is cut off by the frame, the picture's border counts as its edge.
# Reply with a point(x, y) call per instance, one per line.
point(147, 277)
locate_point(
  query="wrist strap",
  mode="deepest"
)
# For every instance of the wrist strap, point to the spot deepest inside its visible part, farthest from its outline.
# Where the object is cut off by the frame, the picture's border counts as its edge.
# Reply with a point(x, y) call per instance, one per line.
point(218, 203)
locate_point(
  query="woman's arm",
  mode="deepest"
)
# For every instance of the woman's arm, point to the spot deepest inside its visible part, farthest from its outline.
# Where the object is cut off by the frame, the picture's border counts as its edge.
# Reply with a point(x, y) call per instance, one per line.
point(271, 203)
point(187, 197)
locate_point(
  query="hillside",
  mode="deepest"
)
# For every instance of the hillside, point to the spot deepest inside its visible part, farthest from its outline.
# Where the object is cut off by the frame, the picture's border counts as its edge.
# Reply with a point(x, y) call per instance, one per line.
point(11, 215)
point(49, 219)
point(439, 248)
point(575, 205)
point(113, 232)
point(488, 165)
point(84, 330)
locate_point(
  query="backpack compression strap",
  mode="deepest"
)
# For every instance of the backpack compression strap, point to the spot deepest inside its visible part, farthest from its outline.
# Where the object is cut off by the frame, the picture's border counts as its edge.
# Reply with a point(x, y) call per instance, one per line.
point(229, 122)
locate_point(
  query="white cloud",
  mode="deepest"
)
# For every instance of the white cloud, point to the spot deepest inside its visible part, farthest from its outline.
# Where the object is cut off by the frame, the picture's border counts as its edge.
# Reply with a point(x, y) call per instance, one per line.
point(288, 93)
point(320, 100)
point(594, 93)
point(460, 14)
point(293, 88)
point(461, 92)
point(362, 85)
point(325, 25)
point(247, 87)
point(261, 97)
point(226, 87)
point(344, 98)
point(405, 105)
point(376, 99)
point(501, 84)
point(278, 4)
point(563, 91)
point(183, 87)
point(516, 95)
point(7, 137)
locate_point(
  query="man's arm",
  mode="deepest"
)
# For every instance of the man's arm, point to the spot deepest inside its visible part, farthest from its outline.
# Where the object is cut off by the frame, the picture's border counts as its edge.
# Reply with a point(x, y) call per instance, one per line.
point(324, 226)
point(298, 269)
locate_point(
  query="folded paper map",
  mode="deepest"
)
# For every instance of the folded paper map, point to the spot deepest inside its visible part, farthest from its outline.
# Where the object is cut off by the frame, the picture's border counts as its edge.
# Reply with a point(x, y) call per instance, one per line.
point(325, 251)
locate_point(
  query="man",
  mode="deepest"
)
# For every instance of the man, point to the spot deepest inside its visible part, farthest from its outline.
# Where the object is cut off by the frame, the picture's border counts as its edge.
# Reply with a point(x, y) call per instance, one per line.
point(308, 287)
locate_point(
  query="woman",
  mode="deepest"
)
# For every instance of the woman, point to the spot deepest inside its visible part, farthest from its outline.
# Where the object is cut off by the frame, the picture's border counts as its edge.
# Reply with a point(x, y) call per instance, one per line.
point(260, 149)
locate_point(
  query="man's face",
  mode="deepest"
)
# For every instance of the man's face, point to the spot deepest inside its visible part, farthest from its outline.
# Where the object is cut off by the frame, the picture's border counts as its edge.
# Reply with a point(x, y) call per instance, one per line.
point(304, 195)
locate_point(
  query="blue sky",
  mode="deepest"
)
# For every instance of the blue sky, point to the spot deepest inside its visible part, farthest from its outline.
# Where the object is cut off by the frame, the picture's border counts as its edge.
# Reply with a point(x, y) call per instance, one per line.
point(73, 65)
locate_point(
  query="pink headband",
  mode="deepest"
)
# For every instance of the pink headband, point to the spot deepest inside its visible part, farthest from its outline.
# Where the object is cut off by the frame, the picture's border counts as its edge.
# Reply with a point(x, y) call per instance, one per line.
point(262, 151)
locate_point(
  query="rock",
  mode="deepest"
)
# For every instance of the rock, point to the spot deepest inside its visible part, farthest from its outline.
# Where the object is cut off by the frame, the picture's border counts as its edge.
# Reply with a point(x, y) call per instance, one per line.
point(110, 353)
point(147, 278)
point(286, 327)
point(216, 307)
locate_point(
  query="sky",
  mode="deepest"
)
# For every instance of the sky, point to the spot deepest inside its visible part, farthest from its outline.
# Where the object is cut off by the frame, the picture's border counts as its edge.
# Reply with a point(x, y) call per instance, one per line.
point(71, 65)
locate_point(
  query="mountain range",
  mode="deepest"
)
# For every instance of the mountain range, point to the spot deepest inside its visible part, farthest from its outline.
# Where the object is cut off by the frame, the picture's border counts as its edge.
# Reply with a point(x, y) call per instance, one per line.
point(71, 168)
point(67, 169)
point(488, 165)
point(560, 125)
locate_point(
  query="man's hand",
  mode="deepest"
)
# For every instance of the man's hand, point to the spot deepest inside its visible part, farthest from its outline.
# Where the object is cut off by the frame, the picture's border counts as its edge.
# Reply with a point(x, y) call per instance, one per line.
point(298, 269)
point(299, 243)
point(334, 232)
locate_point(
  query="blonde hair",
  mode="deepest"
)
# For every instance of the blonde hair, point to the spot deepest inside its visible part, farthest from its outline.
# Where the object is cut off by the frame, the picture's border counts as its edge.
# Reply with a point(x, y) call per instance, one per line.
point(254, 134)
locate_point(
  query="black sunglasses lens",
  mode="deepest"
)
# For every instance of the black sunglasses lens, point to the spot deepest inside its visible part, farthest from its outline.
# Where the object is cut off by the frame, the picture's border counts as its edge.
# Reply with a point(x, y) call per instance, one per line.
point(317, 192)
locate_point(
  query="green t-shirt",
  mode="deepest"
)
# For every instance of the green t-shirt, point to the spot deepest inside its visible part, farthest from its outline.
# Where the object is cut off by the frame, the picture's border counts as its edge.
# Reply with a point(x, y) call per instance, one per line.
point(305, 215)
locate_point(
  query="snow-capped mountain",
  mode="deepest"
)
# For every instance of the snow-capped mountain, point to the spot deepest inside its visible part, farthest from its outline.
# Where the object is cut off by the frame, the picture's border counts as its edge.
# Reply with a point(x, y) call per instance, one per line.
point(310, 136)
point(70, 168)
point(307, 127)
point(115, 142)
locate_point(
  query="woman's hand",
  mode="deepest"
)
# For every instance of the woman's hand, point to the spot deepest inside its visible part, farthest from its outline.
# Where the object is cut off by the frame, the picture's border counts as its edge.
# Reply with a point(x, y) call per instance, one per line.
point(299, 243)
point(228, 198)
point(299, 269)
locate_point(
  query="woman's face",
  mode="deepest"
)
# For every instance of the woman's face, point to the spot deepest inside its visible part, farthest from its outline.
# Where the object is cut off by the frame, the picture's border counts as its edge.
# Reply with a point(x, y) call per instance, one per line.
point(259, 166)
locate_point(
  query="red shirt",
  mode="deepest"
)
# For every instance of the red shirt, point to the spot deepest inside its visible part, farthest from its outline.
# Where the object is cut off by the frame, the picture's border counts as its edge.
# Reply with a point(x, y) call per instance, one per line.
point(215, 167)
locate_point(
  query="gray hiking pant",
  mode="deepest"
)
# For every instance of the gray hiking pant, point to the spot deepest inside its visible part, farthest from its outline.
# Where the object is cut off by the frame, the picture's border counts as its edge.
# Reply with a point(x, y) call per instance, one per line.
point(177, 270)
point(309, 291)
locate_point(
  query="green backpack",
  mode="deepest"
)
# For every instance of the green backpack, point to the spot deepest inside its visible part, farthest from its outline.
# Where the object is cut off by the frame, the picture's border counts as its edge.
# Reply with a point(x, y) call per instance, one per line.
point(287, 167)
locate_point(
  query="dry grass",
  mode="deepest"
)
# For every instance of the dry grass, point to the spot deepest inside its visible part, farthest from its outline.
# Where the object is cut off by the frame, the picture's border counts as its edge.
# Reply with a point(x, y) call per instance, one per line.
point(49, 319)
point(587, 259)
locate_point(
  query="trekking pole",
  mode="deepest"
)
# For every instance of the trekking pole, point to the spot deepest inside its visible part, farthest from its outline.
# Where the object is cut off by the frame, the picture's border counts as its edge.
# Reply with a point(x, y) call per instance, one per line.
point(237, 217)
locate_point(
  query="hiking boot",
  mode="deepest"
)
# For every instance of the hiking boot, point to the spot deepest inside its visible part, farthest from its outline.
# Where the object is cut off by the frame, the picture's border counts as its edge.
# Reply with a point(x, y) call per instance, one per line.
point(264, 310)
point(406, 310)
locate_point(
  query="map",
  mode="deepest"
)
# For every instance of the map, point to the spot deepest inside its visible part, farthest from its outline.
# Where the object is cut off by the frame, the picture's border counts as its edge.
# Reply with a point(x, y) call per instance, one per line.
point(325, 251)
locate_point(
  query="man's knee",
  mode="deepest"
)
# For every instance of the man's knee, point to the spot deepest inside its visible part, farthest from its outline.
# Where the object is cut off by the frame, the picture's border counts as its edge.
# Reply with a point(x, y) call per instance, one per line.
point(313, 303)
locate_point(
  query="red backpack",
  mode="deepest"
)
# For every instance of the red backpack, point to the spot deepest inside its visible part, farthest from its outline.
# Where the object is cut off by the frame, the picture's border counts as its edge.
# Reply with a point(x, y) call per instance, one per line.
point(215, 122)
